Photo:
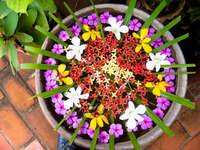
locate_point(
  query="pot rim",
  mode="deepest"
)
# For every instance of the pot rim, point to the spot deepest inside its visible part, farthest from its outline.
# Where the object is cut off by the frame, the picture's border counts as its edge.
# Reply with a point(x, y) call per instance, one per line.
point(174, 109)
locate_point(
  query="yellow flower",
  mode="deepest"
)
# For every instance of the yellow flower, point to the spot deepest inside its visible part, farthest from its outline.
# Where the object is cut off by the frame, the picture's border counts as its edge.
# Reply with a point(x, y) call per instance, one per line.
point(61, 75)
point(91, 33)
point(158, 87)
point(143, 41)
point(97, 118)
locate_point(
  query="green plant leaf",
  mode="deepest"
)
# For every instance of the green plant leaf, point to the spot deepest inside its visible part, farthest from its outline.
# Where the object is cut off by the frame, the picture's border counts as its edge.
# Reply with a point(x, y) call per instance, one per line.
point(46, 53)
point(37, 36)
point(180, 38)
point(19, 6)
point(10, 23)
point(39, 66)
point(111, 138)
point(51, 36)
point(94, 139)
point(178, 66)
point(176, 73)
point(4, 10)
point(165, 28)
point(129, 12)
point(3, 47)
point(61, 24)
point(134, 140)
point(60, 123)
point(47, 5)
point(23, 37)
point(53, 92)
point(178, 99)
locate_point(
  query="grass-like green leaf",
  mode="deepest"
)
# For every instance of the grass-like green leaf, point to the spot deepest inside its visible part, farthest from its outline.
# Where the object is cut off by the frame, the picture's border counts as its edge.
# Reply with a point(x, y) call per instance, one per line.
point(94, 140)
point(53, 92)
point(178, 99)
point(50, 35)
point(100, 25)
point(180, 38)
point(36, 50)
point(176, 73)
point(112, 137)
point(39, 66)
point(74, 16)
point(61, 24)
point(76, 131)
point(178, 66)
point(166, 28)
point(156, 12)
point(23, 37)
point(129, 12)
point(134, 140)
point(60, 123)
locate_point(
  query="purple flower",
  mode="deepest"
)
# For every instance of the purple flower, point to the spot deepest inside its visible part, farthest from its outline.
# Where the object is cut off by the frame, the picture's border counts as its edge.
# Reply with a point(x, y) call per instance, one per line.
point(49, 75)
point(104, 17)
point(135, 25)
point(146, 123)
point(51, 85)
point(103, 137)
point(76, 123)
point(119, 18)
point(166, 51)
point(64, 36)
point(71, 118)
point(92, 20)
point(116, 129)
point(59, 108)
point(163, 103)
point(75, 30)
point(57, 48)
point(158, 42)
point(57, 98)
point(90, 132)
point(83, 21)
point(171, 60)
point(151, 32)
point(159, 113)
point(135, 129)
point(169, 77)
point(84, 128)
point(50, 61)
point(171, 89)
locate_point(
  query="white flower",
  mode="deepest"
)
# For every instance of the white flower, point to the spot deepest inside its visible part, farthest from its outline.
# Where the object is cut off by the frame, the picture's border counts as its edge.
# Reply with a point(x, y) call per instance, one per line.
point(73, 97)
point(132, 114)
point(156, 61)
point(76, 49)
point(116, 27)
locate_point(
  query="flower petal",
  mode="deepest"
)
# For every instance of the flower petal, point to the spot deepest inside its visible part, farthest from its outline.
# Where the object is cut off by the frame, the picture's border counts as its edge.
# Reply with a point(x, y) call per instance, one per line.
point(93, 35)
point(70, 54)
point(140, 109)
point(93, 123)
point(138, 48)
point(61, 68)
point(159, 77)
point(68, 104)
point(149, 85)
point(89, 115)
point(112, 21)
point(118, 35)
point(124, 116)
point(157, 67)
point(67, 80)
point(123, 29)
point(150, 65)
point(131, 123)
point(86, 27)
point(147, 48)
point(131, 105)
point(135, 35)
point(144, 33)
point(65, 73)
point(76, 41)
point(156, 91)
point(108, 28)
point(139, 118)
point(86, 36)
point(98, 34)
point(146, 40)
point(84, 96)
point(100, 109)
point(99, 121)
point(104, 119)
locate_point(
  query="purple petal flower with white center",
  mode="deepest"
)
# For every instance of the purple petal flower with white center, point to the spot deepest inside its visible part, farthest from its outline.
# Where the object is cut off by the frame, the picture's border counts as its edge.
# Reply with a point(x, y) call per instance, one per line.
point(159, 113)
point(163, 103)
point(63, 35)
point(169, 77)
point(49, 75)
point(92, 20)
point(51, 85)
point(120, 18)
point(151, 32)
point(57, 98)
point(50, 61)
point(131, 130)
point(166, 51)
point(76, 123)
point(57, 48)
point(158, 42)
point(146, 123)
point(171, 89)
point(116, 129)
point(71, 118)
point(135, 25)
point(59, 108)
point(90, 132)
point(103, 137)
point(84, 128)
point(104, 17)
point(75, 30)
point(83, 21)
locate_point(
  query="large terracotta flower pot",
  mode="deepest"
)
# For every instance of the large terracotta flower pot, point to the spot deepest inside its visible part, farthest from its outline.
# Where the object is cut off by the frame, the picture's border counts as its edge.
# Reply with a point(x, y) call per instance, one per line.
point(181, 81)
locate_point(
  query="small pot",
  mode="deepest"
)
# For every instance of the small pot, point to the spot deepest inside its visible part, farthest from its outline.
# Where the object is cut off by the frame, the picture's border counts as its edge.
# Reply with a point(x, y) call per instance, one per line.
point(174, 109)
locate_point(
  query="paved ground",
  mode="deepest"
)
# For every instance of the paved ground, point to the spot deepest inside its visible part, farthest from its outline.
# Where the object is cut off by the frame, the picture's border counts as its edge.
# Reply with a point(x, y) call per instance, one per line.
point(23, 126)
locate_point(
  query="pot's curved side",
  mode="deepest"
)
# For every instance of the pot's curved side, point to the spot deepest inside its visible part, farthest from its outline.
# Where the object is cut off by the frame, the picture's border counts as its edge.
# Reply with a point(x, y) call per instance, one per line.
point(169, 117)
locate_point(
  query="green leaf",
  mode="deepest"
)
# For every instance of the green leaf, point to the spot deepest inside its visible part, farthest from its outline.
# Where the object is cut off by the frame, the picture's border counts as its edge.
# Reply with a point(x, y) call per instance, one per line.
point(4, 10)
point(156, 12)
point(134, 140)
point(129, 12)
point(53, 92)
point(178, 99)
point(60, 123)
point(165, 28)
point(111, 138)
point(74, 16)
point(47, 5)
point(46, 53)
point(76, 131)
point(23, 37)
point(19, 6)
point(176, 73)
point(61, 24)
point(178, 66)
point(39, 66)
point(51, 36)
point(94, 139)
point(10, 23)
point(180, 38)
point(3, 47)
point(37, 36)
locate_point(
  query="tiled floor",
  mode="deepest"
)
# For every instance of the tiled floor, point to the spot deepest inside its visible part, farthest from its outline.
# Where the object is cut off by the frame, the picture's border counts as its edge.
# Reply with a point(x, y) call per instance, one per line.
point(23, 126)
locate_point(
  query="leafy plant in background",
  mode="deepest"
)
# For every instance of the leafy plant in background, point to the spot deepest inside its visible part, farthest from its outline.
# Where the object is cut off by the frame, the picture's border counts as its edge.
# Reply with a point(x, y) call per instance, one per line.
point(17, 21)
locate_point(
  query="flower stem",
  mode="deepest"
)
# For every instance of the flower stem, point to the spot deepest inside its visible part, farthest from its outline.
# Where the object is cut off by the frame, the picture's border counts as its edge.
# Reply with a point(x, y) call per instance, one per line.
point(176, 73)
point(178, 66)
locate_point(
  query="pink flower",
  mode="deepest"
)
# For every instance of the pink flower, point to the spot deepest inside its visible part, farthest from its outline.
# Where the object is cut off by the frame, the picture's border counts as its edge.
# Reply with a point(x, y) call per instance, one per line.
point(59, 108)
point(76, 123)
point(92, 20)
point(71, 118)
point(84, 128)
point(49, 75)
point(158, 42)
point(51, 85)
point(50, 61)
point(163, 103)
point(146, 123)
point(135, 25)
point(131, 130)
point(90, 132)
point(103, 137)
point(64, 36)
point(57, 98)
point(116, 129)
point(83, 20)
point(159, 113)
point(104, 17)
point(57, 48)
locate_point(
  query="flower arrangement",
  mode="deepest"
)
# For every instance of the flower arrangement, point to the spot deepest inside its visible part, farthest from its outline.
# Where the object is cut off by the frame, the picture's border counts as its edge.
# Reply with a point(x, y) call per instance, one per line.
point(114, 75)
